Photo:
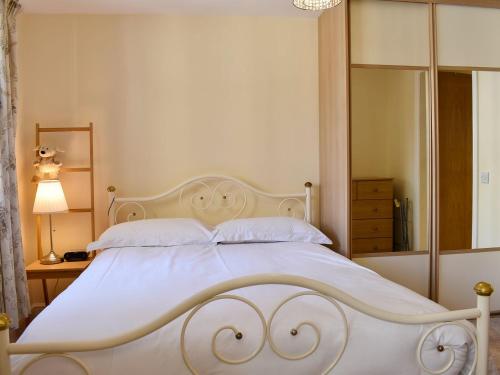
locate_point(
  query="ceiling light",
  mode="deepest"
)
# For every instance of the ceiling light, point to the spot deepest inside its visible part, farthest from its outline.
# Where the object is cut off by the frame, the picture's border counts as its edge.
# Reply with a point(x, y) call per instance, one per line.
point(316, 4)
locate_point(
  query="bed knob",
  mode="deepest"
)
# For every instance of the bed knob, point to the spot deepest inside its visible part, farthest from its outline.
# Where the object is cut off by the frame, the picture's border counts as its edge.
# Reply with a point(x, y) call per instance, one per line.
point(440, 348)
point(483, 289)
point(239, 336)
point(4, 322)
point(294, 332)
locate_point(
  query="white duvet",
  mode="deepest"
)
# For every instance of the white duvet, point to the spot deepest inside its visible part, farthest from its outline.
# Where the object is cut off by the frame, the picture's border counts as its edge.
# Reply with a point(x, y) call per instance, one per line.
point(125, 288)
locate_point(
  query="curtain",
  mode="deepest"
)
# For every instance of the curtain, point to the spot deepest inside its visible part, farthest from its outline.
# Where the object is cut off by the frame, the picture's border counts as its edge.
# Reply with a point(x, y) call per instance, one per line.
point(14, 298)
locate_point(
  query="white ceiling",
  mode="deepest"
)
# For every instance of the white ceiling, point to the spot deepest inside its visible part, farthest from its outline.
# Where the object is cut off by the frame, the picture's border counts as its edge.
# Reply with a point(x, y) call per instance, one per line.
point(212, 7)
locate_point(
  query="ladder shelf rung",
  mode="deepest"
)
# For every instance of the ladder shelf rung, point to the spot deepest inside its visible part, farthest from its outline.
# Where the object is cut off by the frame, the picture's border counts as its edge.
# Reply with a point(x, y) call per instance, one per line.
point(65, 129)
point(80, 210)
point(76, 169)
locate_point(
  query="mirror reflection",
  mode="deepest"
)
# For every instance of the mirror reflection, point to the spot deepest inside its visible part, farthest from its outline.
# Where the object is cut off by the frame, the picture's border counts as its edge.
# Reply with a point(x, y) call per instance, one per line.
point(389, 128)
point(469, 159)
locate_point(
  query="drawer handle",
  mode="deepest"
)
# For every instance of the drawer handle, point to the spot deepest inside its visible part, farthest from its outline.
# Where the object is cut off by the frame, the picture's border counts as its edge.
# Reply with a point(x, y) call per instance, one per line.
point(375, 247)
point(375, 210)
point(375, 229)
point(375, 190)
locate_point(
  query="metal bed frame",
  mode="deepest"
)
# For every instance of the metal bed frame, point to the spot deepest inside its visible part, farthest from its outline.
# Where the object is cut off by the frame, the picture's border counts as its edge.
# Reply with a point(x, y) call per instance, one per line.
point(216, 192)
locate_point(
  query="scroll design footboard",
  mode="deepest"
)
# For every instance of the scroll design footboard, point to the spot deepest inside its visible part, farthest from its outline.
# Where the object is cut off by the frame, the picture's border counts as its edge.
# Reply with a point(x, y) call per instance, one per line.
point(266, 332)
point(334, 296)
point(441, 348)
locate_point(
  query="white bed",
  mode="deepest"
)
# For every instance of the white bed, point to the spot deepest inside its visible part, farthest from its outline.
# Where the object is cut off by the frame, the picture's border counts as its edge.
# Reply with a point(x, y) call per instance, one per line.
point(127, 287)
point(226, 308)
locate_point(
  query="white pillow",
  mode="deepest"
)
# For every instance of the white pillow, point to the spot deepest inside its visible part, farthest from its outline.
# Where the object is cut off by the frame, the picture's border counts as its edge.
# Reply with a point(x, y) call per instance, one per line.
point(153, 232)
point(268, 229)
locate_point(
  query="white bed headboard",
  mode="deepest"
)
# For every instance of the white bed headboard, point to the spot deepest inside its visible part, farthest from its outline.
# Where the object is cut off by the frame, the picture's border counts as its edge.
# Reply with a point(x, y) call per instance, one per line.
point(211, 195)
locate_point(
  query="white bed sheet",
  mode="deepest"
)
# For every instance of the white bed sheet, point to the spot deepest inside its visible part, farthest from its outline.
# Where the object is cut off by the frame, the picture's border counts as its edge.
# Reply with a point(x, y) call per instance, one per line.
point(125, 288)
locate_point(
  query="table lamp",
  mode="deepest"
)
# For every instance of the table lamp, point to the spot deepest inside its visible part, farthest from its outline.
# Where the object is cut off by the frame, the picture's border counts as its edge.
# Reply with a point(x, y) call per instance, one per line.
point(50, 200)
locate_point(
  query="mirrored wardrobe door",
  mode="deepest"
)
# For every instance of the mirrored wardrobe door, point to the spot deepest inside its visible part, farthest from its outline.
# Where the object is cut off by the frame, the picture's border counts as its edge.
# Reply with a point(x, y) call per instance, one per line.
point(390, 175)
point(469, 152)
point(389, 120)
point(389, 130)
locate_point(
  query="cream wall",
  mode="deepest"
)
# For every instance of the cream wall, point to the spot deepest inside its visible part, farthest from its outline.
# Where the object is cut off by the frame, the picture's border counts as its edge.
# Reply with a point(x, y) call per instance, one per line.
point(389, 137)
point(171, 97)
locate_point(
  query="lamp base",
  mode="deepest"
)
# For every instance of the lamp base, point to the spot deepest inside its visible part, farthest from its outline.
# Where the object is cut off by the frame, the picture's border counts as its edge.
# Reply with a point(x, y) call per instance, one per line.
point(51, 258)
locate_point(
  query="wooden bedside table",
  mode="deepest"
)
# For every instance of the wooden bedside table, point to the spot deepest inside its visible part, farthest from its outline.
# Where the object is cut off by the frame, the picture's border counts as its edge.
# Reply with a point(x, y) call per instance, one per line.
point(64, 270)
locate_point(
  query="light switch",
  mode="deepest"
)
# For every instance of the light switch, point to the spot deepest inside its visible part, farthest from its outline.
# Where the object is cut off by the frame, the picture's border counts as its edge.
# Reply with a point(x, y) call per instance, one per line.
point(485, 177)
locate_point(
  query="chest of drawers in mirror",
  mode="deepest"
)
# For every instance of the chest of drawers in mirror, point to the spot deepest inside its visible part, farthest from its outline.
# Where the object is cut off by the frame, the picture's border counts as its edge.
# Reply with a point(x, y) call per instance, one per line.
point(372, 215)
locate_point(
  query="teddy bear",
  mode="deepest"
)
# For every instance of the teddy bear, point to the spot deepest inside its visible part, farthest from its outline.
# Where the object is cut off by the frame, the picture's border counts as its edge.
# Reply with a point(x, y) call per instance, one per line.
point(47, 167)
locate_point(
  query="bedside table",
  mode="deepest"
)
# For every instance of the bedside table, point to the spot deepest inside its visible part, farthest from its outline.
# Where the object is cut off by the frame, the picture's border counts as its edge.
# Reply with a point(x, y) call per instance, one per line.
point(64, 270)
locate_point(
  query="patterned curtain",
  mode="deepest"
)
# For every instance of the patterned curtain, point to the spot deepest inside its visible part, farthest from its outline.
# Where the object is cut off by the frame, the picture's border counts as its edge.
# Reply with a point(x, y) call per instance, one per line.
point(14, 298)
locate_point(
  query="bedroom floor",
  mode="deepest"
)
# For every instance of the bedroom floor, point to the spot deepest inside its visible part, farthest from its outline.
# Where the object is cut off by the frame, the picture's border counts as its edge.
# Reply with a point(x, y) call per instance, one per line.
point(495, 339)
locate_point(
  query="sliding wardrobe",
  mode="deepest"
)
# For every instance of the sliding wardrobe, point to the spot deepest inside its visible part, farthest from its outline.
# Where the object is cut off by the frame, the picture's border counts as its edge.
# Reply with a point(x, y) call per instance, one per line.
point(408, 141)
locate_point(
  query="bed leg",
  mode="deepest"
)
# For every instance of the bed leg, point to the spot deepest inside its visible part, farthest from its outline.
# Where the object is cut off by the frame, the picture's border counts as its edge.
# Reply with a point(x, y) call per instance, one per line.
point(483, 291)
point(4, 342)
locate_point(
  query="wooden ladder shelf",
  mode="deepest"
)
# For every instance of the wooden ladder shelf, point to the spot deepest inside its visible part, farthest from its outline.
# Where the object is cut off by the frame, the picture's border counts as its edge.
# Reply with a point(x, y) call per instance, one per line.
point(90, 169)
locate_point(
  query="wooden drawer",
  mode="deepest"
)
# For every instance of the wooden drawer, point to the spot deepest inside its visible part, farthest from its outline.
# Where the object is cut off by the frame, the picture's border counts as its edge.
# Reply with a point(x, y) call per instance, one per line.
point(372, 228)
point(354, 190)
point(372, 209)
point(374, 190)
point(372, 245)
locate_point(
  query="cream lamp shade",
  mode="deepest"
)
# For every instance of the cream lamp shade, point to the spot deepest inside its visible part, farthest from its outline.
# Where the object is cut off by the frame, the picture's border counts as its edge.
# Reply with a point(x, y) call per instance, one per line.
point(50, 198)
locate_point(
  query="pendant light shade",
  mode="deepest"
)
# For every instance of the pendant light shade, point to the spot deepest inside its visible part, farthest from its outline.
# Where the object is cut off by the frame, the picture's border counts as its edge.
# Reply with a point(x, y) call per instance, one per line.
point(316, 4)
